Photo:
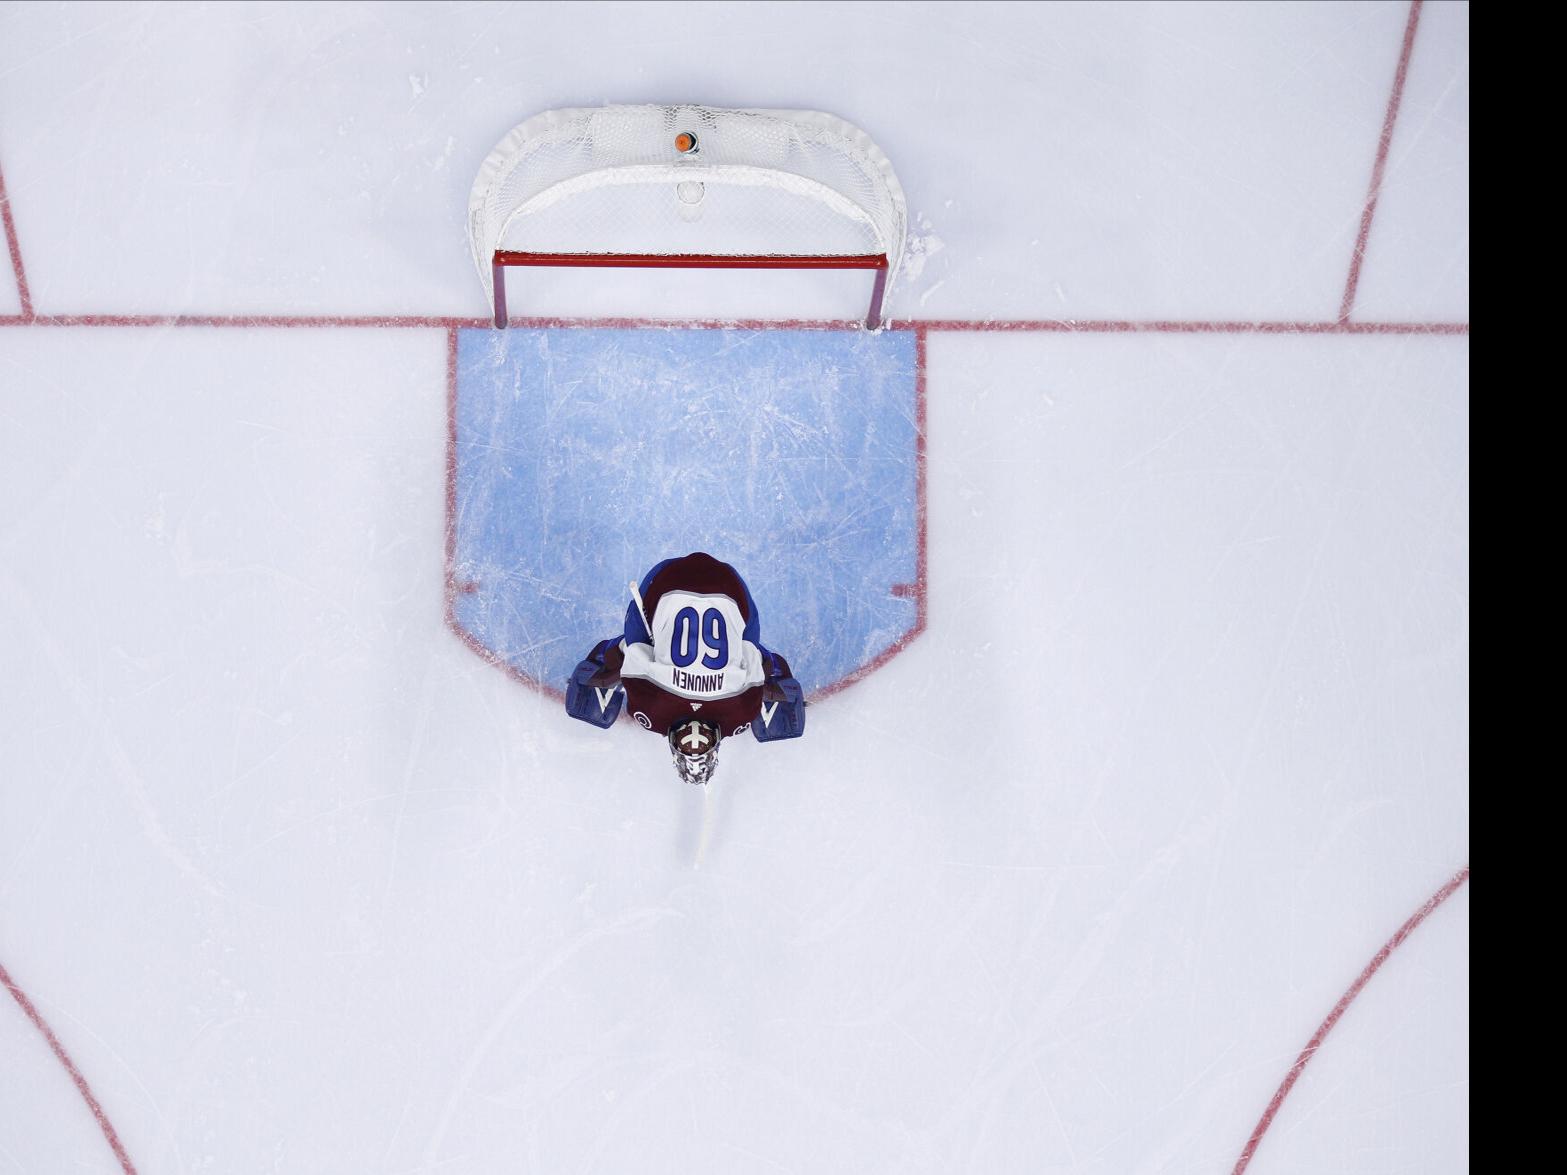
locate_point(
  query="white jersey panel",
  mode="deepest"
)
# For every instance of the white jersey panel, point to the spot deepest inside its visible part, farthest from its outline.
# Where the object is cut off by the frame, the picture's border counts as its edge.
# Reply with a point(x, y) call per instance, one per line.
point(698, 648)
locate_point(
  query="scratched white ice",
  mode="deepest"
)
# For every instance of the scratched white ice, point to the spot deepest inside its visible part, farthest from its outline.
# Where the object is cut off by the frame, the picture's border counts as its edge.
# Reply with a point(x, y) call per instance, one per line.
point(301, 884)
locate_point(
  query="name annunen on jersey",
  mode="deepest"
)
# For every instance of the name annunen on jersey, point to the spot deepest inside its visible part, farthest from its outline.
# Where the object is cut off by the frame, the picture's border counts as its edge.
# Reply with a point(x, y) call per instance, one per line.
point(702, 683)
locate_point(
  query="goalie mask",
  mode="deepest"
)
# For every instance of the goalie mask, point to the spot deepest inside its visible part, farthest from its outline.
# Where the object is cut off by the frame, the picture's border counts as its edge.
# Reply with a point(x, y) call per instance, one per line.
point(694, 744)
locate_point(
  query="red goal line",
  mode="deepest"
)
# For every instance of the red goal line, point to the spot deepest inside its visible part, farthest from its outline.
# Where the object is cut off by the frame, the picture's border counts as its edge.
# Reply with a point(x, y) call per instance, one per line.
point(950, 325)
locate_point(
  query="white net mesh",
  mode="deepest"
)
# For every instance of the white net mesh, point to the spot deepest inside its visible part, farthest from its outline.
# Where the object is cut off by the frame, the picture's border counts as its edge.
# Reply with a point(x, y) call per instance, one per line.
point(759, 183)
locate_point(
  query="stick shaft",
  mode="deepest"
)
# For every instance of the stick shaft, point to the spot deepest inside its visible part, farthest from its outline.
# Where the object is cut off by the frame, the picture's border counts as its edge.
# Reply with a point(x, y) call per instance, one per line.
point(636, 594)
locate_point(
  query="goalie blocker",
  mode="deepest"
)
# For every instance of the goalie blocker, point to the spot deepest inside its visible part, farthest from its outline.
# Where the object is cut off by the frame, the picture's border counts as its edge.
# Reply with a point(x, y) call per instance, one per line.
point(597, 705)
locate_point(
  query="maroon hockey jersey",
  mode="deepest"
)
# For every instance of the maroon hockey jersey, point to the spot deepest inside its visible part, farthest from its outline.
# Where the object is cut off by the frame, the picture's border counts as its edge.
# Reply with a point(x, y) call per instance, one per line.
point(701, 657)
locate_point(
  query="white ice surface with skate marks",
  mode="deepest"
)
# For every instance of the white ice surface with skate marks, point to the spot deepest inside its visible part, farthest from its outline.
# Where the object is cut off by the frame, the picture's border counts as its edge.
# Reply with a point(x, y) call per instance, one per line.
point(304, 885)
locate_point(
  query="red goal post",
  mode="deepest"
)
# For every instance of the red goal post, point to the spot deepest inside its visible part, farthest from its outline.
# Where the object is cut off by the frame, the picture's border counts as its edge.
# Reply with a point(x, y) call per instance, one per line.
point(686, 187)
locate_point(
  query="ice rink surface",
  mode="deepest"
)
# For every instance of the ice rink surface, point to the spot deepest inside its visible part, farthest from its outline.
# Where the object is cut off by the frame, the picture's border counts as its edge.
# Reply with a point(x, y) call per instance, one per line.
point(293, 881)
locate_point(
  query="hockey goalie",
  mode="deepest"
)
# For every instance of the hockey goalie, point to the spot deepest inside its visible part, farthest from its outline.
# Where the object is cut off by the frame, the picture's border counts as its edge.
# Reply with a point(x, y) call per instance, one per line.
point(690, 666)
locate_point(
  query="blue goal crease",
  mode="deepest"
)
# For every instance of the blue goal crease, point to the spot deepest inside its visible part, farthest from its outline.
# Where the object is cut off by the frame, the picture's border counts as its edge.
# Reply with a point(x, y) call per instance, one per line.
point(585, 456)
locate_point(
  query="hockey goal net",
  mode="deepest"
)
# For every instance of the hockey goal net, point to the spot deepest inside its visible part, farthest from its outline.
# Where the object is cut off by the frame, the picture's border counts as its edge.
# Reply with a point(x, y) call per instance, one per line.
point(686, 187)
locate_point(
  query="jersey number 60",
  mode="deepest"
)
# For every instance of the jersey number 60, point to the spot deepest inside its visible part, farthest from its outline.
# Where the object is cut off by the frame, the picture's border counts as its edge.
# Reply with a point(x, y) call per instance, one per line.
point(708, 636)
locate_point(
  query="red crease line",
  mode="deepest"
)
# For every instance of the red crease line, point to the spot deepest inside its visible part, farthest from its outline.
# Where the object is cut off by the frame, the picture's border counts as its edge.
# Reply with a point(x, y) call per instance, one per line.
point(921, 493)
